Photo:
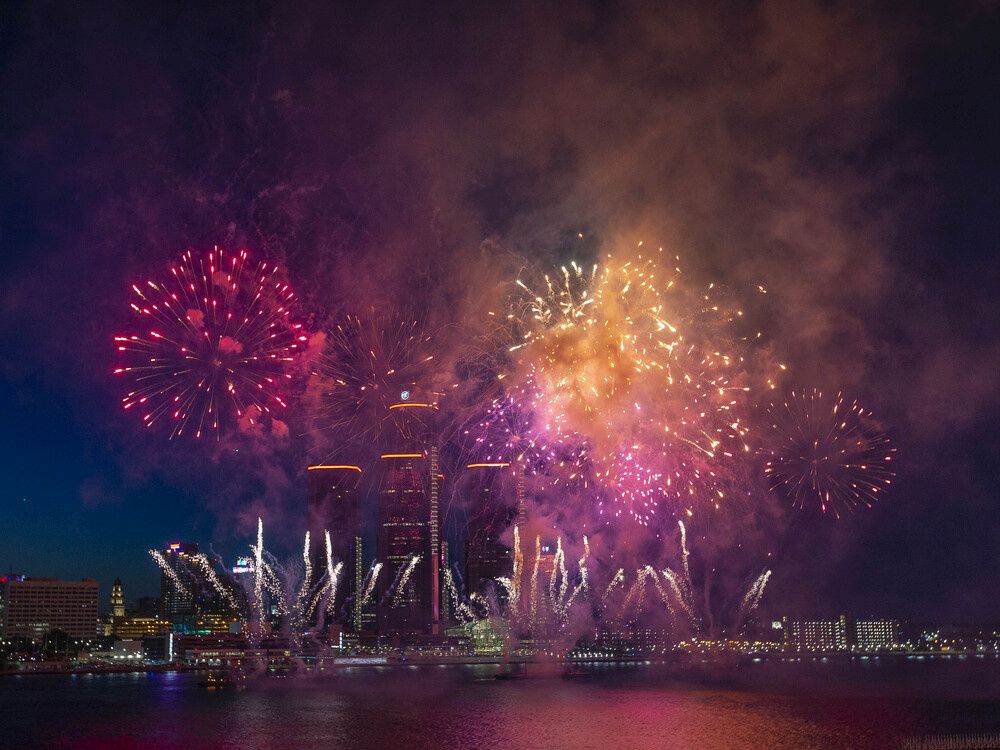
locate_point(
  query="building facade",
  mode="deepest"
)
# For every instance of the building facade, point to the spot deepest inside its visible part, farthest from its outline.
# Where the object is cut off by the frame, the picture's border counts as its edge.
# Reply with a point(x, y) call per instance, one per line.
point(117, 599)
point(32, 607)
point(816, 635)
point(409, 544)
point(179, 603)
point(335, 508)
point(489, 491)
point(876, 635)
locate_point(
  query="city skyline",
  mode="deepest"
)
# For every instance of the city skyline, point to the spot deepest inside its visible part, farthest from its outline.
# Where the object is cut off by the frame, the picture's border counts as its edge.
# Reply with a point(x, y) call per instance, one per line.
point(608, 374)
point(825, 231)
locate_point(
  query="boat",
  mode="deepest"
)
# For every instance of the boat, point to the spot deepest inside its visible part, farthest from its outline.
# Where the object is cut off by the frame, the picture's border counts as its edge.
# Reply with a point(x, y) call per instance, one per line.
point(221, 679)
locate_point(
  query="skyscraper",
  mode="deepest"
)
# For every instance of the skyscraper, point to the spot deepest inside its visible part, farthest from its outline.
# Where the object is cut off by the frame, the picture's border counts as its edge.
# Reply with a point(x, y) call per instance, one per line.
point(408, 533)
point(179, 603)
point(335, 506)
point(491, 501)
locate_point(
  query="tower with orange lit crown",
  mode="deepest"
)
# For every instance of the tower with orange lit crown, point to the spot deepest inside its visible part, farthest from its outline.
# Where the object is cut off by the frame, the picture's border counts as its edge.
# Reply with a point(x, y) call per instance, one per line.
point(491, 496)
point(409, 544)
point(335, 508)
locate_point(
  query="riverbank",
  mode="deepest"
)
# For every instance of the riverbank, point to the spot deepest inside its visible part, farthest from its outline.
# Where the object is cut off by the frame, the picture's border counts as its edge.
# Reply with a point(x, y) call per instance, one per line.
point(680, 661)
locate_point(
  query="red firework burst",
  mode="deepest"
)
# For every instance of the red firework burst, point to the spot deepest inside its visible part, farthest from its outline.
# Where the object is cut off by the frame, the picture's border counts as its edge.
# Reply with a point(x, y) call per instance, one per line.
point(214, 344)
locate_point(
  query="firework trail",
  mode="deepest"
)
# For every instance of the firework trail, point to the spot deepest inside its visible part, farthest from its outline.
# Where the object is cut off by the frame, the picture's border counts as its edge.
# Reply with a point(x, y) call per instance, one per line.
point(328, 590)
point(558, 574)
point(306, 578)
point(369, 584)
point(534, 582)
point(631, 379)
point(681, 599)
point(293, 590)
point(637, 592)
point(404, 579)
point(299, 611)
point(685, 564)
point(753, 595)
point(828, 452)
point(760, 584)
point(273, 584)
point(664, 595)
point(464, 612)
point(213, 345)
point(616, 580)
point(583, 585)
point(258, 574)
point(208, 571)
point(332, 573)
point(170, 573)
point(516, 576)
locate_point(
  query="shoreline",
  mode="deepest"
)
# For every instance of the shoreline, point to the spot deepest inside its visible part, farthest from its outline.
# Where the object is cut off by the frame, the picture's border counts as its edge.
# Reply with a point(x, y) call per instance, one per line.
point(338, 663)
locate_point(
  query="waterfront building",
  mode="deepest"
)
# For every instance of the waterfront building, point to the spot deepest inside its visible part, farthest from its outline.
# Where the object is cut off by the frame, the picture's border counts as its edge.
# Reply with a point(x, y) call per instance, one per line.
point(487, 637)
point(843, 634)
point(409, 587)
point(137, 628)
point(877, 635)
point(120, 625)
point(630, 640)
point(816, 635)
point(445, 604)
point(117, 599)
point(32, 607)
point(119, 652)
point(491, 502)
point(335, 507)
point(179, 603)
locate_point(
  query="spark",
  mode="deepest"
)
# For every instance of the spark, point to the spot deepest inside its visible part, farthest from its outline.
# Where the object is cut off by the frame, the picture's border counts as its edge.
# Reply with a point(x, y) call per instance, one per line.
point(826, 451)
point(212, 344)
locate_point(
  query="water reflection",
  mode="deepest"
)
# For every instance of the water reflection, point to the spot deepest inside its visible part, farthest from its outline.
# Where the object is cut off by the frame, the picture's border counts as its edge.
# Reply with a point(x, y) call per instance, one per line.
point(773, 705)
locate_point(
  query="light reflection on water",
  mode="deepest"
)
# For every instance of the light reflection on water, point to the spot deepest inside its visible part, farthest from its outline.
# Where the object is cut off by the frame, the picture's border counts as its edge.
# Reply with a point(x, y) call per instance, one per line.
point(768, 705)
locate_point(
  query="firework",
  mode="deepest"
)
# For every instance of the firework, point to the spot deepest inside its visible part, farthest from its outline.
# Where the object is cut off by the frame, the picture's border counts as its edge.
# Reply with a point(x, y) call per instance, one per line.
point(584, 583)
point(533, 594)
point(616, 580)
point(208, 571)
point(258, 577)
point(404, 580)
point(633, 381)
point(303, 592)
point(517, 574)
point(828, 452)
point(170, 573)
point(507, 431)
point(753, 595)
point(213, 343)
point(369, 365)
point(332, 573)
point(368, 584)
point(462, 610)
point(664, 595)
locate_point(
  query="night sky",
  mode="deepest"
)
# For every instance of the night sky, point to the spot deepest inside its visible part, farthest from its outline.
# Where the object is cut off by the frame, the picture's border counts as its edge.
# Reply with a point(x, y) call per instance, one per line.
point(843, 156)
